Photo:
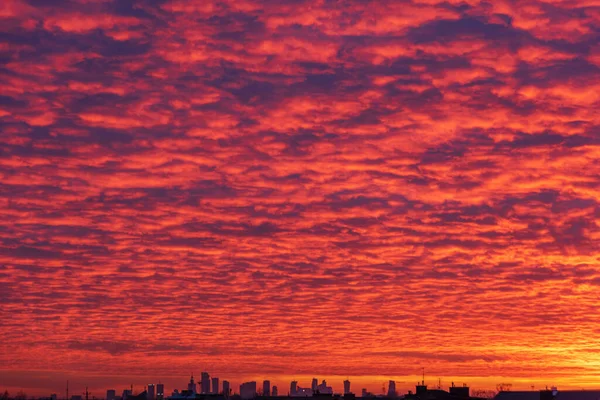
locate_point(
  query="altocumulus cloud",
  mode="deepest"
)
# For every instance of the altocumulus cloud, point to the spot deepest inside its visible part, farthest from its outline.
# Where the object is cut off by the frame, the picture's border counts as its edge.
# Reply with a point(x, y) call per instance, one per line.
point(177, 176)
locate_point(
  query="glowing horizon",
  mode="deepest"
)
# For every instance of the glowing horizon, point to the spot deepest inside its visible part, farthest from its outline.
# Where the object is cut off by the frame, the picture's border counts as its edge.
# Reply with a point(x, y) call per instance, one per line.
point(98, 384)
point(275, 189)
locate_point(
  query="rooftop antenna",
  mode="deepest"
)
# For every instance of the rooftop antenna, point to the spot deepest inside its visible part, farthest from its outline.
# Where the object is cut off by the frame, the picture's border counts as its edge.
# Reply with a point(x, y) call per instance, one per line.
point(439, 383)
point(67, 390)
point(87, 394)
point(423, 381)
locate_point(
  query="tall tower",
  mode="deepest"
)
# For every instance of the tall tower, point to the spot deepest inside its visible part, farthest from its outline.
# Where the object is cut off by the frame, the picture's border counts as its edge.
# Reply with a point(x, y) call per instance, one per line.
point(392, 389)
point(192, 385)
point(315, 384)
point(346, 386)
point(151, 392)
point(274, 392)
point(226, 388)
point(293, 388)
point(205, 383)
point(160, 391)
point(266, 388)
point(215, 385)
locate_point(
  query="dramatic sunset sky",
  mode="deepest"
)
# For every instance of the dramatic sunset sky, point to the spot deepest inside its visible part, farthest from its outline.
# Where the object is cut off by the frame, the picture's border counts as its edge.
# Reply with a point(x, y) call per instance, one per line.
point(278, 189)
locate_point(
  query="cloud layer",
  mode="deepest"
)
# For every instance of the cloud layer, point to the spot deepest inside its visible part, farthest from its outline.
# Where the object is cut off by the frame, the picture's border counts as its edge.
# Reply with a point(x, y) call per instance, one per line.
point(303, 187)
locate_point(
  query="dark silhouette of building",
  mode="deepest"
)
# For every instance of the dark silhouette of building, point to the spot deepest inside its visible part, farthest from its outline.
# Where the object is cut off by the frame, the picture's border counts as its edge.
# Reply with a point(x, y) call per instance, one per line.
point(459, 391)
point(226, 389)
point(454, 393)
point(111, 394)
point(314, 385)
point(205, 383)
point(275, 393)
point(346, 386)
point(192, 385)
point(248, 390)
point(139, 396)
point(392, 389)
point(266, 388)
point(160, 391)
point(151, 392)
point(215, 385)
point(324, 389)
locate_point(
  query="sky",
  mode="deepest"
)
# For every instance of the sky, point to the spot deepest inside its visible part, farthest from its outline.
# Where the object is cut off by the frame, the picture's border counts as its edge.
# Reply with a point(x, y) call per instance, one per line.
point(268, 189)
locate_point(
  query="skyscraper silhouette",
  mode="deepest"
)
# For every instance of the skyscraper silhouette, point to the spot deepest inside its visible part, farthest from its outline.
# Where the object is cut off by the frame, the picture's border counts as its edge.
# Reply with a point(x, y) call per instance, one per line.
point(192, 385)
point(150, 393)
point(324, 389)
point(205, 383)
point(248, 390)
point(392, 389)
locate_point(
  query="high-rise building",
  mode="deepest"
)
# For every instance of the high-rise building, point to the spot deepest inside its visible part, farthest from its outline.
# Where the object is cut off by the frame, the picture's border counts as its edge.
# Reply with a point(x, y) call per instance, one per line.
point(266, 388)
point(392, 389)
point(192, 385)
point(274, 392)
point(215, 385)
point(293, 388)
point(205, 383)
point(248, 390)
point(150, 392)
point(323, 388)
point(315, 384)
point(126, 394)
point(111, 394)
point(160, 391)
point(226, 388)
point(346, 386)
point(365, 393)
